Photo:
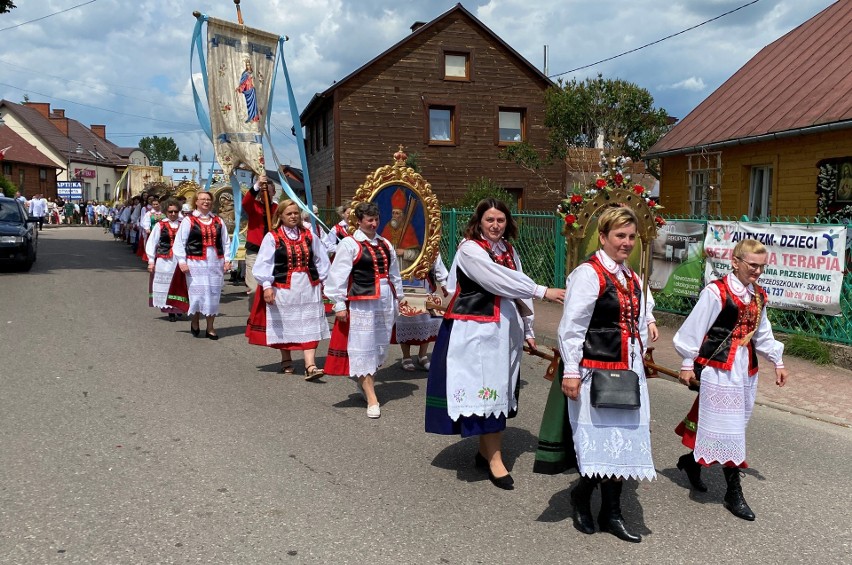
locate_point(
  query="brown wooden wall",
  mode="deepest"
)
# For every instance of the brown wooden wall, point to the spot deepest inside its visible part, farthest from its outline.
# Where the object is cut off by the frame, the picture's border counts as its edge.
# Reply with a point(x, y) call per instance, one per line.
point(319, 142)
point(32, 184)
point(387, 105)
point(794, 164)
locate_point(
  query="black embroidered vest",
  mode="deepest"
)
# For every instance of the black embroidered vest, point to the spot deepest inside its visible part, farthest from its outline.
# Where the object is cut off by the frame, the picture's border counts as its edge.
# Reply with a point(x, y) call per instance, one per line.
point(202, 236)
point(736, 321)
point(369, 267)
point(614, 319)
point(167, 240)
point(471, 301)
point(293, 256)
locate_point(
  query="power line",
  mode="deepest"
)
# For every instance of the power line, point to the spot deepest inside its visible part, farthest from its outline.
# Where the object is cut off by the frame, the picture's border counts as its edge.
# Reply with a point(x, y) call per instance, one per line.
point(95, 107)
point(49, 15)
point(85, 83)
point(655, 42)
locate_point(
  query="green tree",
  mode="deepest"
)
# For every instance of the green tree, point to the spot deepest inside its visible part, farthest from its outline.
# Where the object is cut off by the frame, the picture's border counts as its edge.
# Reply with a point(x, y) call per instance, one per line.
point(481, 189)
point(6, 6)
point(159, 149)
point(622, 112)
point(7, 187)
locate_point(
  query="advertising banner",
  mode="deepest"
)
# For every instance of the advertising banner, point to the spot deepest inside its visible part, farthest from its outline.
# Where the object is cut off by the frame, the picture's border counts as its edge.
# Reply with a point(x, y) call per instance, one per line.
point(677, 259)
point(804, 269)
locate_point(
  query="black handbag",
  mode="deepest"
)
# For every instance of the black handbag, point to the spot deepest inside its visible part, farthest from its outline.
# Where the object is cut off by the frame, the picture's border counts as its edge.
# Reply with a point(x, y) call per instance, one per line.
point(615, 388)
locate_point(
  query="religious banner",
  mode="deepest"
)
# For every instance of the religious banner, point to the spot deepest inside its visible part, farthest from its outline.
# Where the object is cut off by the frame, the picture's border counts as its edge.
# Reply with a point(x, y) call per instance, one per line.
point(240, 69)
point(677, 254)
point(804, 267)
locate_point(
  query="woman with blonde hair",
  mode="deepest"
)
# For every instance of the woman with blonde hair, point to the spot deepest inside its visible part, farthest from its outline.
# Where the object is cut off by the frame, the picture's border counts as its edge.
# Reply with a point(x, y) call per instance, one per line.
point(288, 312)
point(606, 324)
point(200, 247)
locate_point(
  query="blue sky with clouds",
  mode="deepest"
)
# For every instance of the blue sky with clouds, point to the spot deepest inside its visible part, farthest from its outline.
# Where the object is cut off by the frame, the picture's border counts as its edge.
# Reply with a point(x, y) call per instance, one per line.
point(125, 63)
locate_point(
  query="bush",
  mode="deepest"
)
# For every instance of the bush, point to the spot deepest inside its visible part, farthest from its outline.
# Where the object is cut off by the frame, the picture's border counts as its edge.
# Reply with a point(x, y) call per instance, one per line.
point(808, 348)
point(484, 188)
point(7, 187)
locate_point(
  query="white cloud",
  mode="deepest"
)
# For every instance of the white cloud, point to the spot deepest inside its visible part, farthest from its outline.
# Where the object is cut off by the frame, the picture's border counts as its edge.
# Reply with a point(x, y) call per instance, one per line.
point(137, 61)
point(695, 84)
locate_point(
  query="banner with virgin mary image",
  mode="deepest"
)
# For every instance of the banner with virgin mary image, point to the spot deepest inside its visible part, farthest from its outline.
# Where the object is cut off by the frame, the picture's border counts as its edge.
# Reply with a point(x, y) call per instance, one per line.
point(240, 70)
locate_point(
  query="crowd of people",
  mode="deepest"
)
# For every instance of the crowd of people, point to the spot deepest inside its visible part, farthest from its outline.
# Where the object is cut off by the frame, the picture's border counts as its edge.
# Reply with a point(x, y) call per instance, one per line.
point(295, 273)
point(59, 211)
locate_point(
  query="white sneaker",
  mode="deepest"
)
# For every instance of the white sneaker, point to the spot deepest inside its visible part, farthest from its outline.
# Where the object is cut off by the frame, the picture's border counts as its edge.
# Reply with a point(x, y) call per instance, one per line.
point(374, 411)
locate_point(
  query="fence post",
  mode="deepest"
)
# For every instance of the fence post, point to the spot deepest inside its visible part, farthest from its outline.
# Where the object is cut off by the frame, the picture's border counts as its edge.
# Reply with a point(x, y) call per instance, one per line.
point(558, 254)
point(452, 238)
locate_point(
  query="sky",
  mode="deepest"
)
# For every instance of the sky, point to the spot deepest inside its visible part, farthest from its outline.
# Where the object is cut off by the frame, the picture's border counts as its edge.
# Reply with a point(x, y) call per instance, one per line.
point(126, 63)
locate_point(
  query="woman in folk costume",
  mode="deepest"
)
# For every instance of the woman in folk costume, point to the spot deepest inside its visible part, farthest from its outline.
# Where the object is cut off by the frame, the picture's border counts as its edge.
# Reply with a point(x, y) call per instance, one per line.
point(167, 287)
point(366, 289)
point(474, 376)
point(606, 323)
point(148, 221)
point(339, 230)
point(288, 313)
point(723, 334)
point(200, 247)
point(421, 328)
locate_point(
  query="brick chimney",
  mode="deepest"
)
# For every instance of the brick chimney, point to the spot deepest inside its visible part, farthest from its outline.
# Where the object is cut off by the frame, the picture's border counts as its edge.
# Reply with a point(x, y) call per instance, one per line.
point(58, 113)
point(42, 108)
point(98, 130)
point(60, 123)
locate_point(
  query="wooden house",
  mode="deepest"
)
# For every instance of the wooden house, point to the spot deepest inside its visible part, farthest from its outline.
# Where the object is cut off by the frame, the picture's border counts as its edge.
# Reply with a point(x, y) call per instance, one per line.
point(453, 94)
point(757, 145)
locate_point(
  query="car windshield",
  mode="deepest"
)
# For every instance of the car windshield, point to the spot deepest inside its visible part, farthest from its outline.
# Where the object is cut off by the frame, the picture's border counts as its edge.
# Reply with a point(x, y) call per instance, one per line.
point(9, 212)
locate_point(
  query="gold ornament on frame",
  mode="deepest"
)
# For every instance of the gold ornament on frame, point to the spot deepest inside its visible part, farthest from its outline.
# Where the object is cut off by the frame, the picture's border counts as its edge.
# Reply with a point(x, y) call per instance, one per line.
point(409, 214)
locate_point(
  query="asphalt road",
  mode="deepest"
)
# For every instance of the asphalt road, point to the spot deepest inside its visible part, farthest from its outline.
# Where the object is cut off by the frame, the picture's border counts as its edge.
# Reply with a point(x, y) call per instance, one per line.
point(126, 440)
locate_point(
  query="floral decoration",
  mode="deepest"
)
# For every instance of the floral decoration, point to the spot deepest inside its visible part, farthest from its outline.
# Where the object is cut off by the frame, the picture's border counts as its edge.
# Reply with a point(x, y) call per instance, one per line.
point(828, 209)
point(611, 177)
point(487, 394)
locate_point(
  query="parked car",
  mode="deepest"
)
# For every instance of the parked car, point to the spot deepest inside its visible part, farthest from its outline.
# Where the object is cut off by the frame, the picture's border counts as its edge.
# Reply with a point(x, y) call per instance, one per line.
point(18, 234)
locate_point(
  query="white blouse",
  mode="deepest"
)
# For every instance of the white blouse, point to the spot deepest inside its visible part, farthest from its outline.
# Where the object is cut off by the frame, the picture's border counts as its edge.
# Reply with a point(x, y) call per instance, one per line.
point(337, 283)
point(265, 262)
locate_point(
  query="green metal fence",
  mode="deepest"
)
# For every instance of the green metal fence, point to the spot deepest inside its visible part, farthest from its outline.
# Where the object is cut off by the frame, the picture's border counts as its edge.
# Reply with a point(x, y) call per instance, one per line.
point(542, 249)
point(540, 243)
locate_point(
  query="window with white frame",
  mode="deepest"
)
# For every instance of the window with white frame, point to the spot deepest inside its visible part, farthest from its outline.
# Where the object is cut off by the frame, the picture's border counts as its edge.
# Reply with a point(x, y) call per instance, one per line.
point(704, 172)
point(760, 192)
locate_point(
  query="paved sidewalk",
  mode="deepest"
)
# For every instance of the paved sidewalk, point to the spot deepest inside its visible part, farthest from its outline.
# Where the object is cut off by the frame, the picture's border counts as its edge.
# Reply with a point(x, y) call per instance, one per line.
point(823, 392)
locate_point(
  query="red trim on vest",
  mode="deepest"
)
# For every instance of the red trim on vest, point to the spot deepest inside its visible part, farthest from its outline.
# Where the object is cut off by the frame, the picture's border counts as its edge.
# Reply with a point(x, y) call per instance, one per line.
point(507, 260)
point(209, 236)
point(377, 276)
point(632, 281)
point(172, 232)
point(744, 325)
point(304, 242)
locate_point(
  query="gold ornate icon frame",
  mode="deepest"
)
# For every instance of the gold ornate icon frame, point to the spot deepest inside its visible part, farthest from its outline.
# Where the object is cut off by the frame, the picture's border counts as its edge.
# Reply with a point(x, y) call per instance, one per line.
point(391, 178)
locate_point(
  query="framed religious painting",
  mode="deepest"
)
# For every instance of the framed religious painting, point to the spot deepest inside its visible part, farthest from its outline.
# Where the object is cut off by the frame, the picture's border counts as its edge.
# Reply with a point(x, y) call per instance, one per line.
point(409, 215)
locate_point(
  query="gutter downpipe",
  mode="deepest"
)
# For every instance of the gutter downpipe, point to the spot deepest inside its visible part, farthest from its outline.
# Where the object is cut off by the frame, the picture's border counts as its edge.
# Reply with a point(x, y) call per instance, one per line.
point(798, 132)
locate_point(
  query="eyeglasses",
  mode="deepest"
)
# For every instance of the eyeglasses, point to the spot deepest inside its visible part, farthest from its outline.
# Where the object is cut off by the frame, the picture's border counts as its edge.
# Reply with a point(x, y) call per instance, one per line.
point(756, 267)
point(172, 211)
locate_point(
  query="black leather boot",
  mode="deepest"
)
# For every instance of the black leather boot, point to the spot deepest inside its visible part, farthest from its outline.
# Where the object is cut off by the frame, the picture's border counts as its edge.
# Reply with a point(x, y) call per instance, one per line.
point(610, 518)
point(734, 500)
point(581, 498)
point(690, 466)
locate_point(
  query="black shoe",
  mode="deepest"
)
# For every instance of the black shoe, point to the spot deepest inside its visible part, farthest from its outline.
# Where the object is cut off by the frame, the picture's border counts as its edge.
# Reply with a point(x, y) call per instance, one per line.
point(581, 497)
point(690, 466)
point(506, 482)
point(480, 462)
point(172, 318)
point(610, 518)
point(195, 331)
point(734, 500)
point(211, 336)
